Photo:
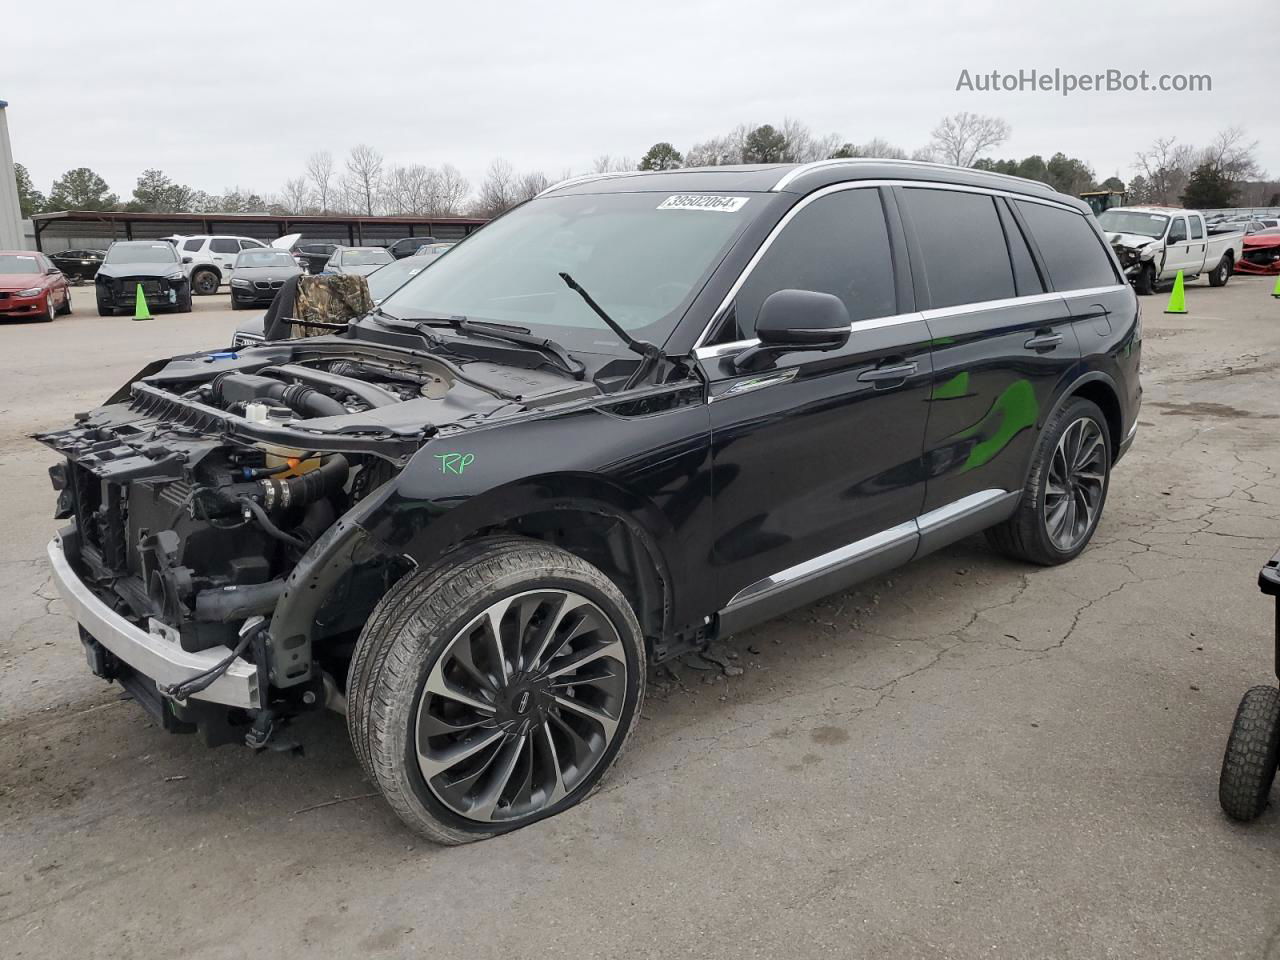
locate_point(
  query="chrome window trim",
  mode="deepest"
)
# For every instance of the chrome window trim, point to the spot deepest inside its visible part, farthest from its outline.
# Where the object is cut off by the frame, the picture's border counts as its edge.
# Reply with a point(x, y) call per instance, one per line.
point(781, 225)
point(702, 352)
point(925, 523)
point(871, 323)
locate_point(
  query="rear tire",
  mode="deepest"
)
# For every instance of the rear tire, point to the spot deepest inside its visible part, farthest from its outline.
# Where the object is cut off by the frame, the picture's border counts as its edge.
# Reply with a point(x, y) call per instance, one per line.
point(1065, 492)
point(1253, 751)
point(430, 698)
point(1220, 274)
point(204, 283)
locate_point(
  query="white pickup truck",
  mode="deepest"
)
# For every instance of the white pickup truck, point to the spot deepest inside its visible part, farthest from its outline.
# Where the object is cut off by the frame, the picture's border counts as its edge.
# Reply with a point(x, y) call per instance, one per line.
point(1154, 243)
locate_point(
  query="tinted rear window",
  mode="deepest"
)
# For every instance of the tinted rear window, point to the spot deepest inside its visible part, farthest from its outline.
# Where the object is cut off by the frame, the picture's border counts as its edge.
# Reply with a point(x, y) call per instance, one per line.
point(1072, 252)
point(965, 257)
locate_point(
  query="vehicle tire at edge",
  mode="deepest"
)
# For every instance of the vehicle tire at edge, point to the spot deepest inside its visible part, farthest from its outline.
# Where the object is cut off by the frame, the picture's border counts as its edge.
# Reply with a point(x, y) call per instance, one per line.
point(184, 304)
point(1220, 274)
point(65, 309)
point(1145, 282)
point(412, 626)
point(1024, 536)
point(1253, 751)
point(106, 311)
point(204, 283)
point(50, 311)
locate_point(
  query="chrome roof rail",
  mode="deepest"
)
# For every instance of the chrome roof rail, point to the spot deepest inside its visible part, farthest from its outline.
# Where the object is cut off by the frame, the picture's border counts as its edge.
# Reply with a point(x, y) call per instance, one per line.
point(585, 178)
point(799, 171)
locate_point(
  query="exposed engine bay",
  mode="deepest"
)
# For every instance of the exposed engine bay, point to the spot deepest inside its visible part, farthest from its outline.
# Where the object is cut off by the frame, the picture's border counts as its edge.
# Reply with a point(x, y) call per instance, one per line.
point(197, 489)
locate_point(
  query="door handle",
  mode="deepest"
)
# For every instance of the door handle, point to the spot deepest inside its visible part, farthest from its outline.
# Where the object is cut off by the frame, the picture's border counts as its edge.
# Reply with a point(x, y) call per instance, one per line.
point(881, 375)
point(1044, 342)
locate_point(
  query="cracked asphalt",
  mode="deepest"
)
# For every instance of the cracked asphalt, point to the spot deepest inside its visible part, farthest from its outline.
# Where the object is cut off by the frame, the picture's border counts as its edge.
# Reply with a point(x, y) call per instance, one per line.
point(967, 758)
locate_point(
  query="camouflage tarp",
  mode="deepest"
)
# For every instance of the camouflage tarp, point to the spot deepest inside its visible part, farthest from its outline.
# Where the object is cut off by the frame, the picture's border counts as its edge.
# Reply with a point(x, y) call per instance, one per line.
point(329, 299)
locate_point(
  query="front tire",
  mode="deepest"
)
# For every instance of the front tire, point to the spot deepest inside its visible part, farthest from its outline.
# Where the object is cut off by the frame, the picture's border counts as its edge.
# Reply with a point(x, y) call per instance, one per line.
point(1065, 492)
point(1220, 274)
point(495, 688)
point(1253, 751)
point(1145, 282)
point(105, 311)
point(65, 309)
point(184, 303)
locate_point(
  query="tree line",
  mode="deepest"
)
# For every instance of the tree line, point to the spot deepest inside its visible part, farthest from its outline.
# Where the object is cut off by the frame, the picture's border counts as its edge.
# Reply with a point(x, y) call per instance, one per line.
point(1222, 174)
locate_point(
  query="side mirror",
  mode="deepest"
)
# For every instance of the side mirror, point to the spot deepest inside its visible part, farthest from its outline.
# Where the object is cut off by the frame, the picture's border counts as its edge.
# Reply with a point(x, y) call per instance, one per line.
point(796, 320)
point(52, 270)
point(187, 260)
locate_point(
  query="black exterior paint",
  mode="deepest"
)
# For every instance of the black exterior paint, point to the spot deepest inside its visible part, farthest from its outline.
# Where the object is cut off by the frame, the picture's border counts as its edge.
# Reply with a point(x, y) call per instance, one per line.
point(722, 486)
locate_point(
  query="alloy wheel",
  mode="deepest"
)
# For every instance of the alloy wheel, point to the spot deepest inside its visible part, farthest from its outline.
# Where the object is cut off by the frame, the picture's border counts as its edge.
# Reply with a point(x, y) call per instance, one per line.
point(521, 706)
point(1077, 475)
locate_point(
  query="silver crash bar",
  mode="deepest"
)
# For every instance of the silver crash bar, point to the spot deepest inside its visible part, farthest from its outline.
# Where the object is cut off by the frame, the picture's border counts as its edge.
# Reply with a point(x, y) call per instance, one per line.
point(151, 654)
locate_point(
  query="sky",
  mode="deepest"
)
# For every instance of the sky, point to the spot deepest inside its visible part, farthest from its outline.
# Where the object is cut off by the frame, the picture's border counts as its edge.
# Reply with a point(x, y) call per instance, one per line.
point(238, 95)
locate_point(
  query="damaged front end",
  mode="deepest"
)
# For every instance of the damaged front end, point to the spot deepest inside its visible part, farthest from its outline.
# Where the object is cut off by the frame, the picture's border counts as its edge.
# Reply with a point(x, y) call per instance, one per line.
point(1260, 255)
point(214, 558)
point(1133, 252)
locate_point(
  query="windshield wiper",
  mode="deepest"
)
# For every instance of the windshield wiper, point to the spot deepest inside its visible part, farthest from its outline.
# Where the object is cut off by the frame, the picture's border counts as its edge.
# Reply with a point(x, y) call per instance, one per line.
point(650, 354)
point(520, 336)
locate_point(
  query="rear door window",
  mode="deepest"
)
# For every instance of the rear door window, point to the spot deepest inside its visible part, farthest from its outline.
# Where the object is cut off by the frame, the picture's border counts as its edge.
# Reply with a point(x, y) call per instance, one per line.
point(1072, 250)
point(193, 245)
point(962, 244)
point(1197, 228)
point(224, 245)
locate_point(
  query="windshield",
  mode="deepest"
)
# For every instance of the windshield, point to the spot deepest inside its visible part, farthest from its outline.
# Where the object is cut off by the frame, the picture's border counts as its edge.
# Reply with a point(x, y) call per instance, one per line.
point(18, 263)
point(141, 253)
point(265, 258)
point(641, 256)
point(365, 258)
point(385, 280)
point(1133, 221)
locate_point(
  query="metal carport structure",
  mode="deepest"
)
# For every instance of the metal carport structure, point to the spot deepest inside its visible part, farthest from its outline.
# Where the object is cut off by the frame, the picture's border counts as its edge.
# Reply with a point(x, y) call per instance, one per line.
point(108, 225)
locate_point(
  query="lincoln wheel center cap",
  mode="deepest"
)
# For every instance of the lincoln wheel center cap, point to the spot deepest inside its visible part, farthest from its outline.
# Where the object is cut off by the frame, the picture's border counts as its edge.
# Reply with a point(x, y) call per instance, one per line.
point(522, 703)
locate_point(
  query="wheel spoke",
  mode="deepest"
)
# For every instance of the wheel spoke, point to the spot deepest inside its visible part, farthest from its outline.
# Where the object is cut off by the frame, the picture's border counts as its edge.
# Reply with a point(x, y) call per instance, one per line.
point(576, 661)
point(557, 788)
point(493, 627)
point(502, 768)
point(541, 654)
point(437, 684)
point(608, 723)
point(434, 765)
point(432, 726)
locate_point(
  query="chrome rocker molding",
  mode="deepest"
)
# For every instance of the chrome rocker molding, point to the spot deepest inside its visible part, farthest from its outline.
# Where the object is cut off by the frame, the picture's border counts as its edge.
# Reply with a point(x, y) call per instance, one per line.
point(150, 654)
point(876, 554)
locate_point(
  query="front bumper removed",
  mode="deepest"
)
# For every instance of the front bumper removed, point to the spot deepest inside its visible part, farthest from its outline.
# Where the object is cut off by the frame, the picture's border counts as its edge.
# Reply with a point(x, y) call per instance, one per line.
point(151, 653)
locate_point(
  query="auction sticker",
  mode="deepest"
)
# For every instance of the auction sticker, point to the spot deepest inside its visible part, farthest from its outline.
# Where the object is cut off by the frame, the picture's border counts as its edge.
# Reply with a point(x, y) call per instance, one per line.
point(703, 201)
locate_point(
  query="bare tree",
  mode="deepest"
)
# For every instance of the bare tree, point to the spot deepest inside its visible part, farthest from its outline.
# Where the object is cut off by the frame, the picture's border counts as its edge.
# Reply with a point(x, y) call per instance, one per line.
point(1232, 155)
point(1165, 167)
point(295, 197)
point(363, 180)
point(497, 190)
point(606, 163)
point(320, 173)
point(451, 189)
point(880, 148)
point(963, 137)
point(532, 184)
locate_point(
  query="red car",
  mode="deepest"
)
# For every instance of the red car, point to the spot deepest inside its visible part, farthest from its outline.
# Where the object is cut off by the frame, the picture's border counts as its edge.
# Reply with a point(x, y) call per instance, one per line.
point(31, 286)
point(1261, 252)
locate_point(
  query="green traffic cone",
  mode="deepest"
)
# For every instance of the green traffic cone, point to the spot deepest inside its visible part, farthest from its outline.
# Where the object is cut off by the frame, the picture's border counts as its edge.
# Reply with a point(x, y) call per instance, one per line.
point(1276, 292)
point(140, 311)
point(1177, 299)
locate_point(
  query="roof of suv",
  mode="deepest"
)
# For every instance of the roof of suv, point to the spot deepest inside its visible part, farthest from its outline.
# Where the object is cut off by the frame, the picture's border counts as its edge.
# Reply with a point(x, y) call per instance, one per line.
point(799, 178)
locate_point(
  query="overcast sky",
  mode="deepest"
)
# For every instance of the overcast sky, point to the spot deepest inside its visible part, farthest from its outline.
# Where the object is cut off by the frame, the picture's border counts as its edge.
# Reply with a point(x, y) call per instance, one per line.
point(239, 93)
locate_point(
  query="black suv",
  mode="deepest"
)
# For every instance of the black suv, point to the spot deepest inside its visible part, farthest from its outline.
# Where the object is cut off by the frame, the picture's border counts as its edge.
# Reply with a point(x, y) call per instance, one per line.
point(632, 415)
